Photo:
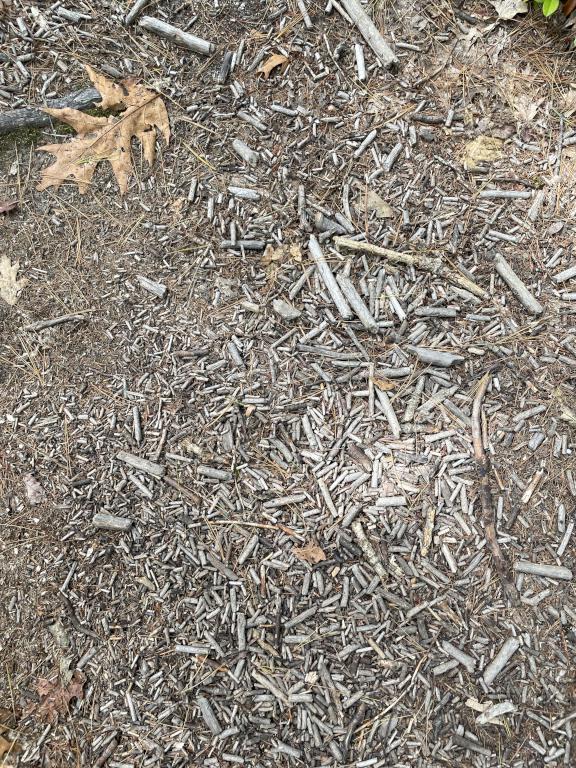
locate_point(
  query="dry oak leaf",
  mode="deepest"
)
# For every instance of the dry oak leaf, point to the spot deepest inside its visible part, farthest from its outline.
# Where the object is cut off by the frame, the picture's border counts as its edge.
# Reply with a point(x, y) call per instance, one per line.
point(107, 138)
point(55, 697)
point(10, 286)
point(276, 60)
point(385, 385)
point(311, 553)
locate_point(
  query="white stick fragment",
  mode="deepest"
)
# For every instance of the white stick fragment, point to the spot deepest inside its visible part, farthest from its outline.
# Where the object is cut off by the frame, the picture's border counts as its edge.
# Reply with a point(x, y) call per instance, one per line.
point(360, 63)
point(491, 714)
point(501, 659)
point(356, 302)
point(158, 289)
point(369, 32)
point(248, 155)
point(143, 465)
point(304, 12)
point(566, 274)
point(518, 288)
point(107, 522)
point(369, 551)
point(541, 569)
point(328, 279)
point(175, 35)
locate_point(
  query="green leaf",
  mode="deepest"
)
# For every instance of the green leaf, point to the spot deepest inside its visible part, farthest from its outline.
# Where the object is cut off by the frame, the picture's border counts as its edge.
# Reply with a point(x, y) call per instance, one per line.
point(550, 6)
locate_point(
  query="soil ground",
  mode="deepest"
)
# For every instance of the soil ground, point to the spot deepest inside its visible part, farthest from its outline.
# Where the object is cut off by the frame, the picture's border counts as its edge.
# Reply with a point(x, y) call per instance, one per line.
point(217, 378)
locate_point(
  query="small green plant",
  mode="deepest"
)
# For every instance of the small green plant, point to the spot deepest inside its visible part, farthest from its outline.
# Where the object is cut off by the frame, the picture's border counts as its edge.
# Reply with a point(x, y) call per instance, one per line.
point(548, 6)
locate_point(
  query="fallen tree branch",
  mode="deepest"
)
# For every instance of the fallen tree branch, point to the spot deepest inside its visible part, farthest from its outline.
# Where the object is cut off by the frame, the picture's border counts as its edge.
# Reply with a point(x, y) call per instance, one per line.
point(35, 117)
point(370, 32)
point(488, 518)
point(415, 260)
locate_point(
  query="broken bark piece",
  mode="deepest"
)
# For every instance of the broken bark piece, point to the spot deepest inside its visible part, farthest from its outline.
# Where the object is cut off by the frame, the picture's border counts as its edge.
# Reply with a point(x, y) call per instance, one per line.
point(501, 659)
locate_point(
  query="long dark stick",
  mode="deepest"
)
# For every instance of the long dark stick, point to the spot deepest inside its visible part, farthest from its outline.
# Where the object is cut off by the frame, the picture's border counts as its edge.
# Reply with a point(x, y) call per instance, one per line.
point(485, 494)
point(30, 117)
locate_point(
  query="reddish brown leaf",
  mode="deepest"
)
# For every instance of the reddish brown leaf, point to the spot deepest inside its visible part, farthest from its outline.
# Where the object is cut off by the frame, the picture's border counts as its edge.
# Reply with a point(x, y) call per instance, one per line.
point(8, 205)
point(311, 553)
point(568, 7)
point(55, 698)
point(276, 60)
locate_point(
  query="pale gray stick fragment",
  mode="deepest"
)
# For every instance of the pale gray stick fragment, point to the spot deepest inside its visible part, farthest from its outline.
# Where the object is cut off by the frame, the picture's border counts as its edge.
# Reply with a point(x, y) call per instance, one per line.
point(208, 715)
point(436, 357)
point(158, 289)
point(243, 150)
point(143, 465)
point(283, 501)
point(528, 301)
point(360, 67)
point(541, 569)
point(388, 410)
point(369, 551)
point(501, 659)
point(198, 650)
point(566, 274)
point(465, 659)
point(108, 522)
point(356, 302)
point(328, 279)
point(369, 32)
point(393, 155)
point(270, 686)
point(175, 35)
point(42, 324)
point(135, 11)
point(414, 400)
point(366, 142)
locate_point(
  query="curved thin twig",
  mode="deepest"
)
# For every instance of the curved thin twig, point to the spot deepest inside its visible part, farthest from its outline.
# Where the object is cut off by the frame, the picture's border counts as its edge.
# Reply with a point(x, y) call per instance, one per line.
point(485, 494)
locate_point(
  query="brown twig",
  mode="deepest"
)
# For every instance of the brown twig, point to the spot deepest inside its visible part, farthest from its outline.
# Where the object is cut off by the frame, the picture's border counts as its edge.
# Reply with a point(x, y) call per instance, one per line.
point(485, 495)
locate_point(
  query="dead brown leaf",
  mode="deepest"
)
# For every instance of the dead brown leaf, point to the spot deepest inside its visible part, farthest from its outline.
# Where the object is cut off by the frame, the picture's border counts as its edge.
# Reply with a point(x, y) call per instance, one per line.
point(276, 60)
point(107, 138)
point(273, 258)
point(8, 205)
point(55, 697)
point(8, 747)
point(385, 385)
point(311, 553)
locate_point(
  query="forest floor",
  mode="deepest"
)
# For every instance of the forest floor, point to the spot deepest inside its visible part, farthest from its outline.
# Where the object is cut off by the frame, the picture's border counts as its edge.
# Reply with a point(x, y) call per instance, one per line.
point(304, 577)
